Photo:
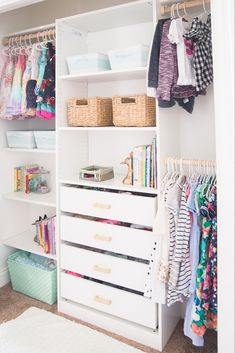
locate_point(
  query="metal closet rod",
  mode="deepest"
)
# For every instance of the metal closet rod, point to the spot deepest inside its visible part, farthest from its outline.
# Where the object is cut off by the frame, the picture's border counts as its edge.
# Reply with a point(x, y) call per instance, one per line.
point(183, 5)
point(30, 38)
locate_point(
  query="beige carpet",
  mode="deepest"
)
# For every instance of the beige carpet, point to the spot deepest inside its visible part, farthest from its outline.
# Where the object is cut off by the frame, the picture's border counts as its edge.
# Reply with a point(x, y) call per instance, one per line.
point(12, 304)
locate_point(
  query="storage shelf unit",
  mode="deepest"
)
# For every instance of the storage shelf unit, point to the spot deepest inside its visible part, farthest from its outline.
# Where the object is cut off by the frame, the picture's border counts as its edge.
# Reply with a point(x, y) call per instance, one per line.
point(25, 241)
point(100, 31)
point(47, 200)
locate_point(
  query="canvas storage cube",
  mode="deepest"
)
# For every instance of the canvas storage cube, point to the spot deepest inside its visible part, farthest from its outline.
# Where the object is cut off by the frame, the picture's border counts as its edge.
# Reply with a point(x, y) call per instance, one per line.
point(33, 281)
point(45, 139)
point(79, 64)
point(21, 139)
point(135, 56)
point(135, 110)
point(93, 111)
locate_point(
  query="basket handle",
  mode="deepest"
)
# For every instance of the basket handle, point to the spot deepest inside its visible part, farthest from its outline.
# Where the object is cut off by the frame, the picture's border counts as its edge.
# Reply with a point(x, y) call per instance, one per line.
point(82, 101)
point(128, 100)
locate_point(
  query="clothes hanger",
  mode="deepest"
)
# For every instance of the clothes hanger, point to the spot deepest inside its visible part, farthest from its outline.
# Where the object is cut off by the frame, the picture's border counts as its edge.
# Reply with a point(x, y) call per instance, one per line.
point(173, 11)
point(204, 11)
point(13, 50)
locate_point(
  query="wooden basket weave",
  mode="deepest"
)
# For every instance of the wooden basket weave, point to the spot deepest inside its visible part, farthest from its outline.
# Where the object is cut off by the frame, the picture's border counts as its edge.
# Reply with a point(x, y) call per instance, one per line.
point(135, 110)
point(95, 111)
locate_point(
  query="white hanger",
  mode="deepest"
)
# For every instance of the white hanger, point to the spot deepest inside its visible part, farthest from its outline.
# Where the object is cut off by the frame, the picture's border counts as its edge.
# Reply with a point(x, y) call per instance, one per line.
point(173, 11)
point(177, 10)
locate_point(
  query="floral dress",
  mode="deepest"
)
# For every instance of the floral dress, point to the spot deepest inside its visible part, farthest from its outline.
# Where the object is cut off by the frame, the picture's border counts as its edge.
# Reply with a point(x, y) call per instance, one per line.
point(205, 304)
point(6, 83)
point(46, 95)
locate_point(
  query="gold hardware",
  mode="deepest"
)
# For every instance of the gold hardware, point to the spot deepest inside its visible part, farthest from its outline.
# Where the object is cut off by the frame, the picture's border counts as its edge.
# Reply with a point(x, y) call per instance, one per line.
point(102, 269)
point(101, 205)
point(101, 300)
point(102, 237)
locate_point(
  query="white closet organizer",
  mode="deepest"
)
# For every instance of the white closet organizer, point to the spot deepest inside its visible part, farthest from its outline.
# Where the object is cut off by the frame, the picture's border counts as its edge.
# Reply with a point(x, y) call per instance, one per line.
point(96, 298)
point(23, 208)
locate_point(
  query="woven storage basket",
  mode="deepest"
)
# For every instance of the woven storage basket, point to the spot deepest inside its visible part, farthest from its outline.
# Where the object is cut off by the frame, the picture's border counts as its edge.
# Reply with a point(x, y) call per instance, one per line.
point(95, 111)
point(33, 281)
point(135, 110)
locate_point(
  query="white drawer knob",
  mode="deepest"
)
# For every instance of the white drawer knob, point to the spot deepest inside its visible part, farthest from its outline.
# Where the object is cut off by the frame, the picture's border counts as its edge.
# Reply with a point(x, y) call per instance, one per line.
point(101, 205)
point(98, 268)
point(102, 237)
point(101, 300)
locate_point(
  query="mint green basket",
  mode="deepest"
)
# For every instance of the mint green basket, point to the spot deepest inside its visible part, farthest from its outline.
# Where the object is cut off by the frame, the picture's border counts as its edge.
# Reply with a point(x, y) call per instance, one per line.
point(33, 281)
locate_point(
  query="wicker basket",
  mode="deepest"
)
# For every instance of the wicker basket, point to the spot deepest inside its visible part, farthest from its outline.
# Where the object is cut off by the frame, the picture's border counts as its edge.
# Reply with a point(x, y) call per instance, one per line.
point(135, 110)
point(95, 111)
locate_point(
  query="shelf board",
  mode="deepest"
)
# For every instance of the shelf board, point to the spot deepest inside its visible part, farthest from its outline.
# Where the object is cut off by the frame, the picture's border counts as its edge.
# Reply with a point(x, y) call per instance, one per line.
point(107, 128)
point(29, 150)
point(24, 241)
point(132, 13)
point(115, 184)
point(47, 200)
point(111, 75)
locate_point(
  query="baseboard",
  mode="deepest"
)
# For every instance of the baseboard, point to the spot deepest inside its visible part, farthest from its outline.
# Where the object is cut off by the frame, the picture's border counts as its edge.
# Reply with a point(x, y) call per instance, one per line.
point(4, 277)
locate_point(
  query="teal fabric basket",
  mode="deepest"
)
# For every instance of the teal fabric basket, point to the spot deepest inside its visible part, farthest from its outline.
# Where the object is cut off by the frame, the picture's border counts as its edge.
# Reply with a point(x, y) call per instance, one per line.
point(33, 281)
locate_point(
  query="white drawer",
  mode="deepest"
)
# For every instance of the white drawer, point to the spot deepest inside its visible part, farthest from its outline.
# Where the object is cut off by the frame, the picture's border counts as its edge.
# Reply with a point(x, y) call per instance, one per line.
point(122, 207)
point(110, 300)
point(122, 272)
point(122, 240)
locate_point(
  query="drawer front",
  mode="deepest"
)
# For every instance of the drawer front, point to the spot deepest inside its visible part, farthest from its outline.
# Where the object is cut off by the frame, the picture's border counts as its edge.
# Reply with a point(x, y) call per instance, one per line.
point(122, 240)
point(119, 271)
point(121, 207)
point(110, 300)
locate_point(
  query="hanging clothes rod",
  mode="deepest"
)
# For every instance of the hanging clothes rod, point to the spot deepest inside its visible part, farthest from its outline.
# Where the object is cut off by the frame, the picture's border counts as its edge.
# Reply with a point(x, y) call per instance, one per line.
point(183, 6)
point(30, 38)
point(192, 162)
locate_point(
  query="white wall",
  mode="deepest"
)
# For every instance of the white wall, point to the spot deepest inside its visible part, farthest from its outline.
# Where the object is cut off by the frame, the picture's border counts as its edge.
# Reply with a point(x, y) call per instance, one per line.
point(223, 34)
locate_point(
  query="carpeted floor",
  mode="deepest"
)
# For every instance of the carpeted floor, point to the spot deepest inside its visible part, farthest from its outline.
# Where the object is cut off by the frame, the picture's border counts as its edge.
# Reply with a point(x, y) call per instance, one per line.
point(12, 304)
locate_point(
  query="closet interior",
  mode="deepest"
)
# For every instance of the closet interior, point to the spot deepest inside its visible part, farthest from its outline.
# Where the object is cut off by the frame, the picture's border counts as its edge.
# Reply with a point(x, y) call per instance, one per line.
point(104, 231)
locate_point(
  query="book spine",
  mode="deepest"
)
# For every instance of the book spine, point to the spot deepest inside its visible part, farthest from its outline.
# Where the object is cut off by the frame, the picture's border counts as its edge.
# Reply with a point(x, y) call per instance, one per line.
point(148, 166)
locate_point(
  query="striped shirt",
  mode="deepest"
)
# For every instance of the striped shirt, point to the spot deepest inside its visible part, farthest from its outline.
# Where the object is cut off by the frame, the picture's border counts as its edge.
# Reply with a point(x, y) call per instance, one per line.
point(180, 270)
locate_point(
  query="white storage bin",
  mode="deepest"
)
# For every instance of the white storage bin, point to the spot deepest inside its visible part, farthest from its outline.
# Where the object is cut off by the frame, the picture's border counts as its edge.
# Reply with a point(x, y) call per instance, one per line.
point(45, 139)
point(136, 56)
point(79, 64)
point(20, 139)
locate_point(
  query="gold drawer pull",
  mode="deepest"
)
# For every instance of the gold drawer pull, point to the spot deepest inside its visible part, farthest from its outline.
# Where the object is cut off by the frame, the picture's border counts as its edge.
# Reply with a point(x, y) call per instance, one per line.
point(101, 205)
point(102, 237)
point(102, 269)
point(101, 300)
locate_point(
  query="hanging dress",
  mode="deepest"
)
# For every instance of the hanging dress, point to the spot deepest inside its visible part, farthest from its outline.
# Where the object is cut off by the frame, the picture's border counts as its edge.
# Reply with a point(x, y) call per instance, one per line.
point(6, 83)
point(13, 108)
point(31, 84)
point(25, 79)
point(46, 96)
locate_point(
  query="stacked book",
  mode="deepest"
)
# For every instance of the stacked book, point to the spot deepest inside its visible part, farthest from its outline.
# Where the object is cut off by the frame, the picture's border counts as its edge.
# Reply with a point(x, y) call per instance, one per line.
point(30, 178)
point(144, 165)
point(45, 234)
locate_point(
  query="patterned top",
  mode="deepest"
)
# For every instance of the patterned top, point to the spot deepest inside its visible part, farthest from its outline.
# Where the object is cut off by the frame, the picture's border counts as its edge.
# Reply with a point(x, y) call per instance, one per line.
point(200, 33)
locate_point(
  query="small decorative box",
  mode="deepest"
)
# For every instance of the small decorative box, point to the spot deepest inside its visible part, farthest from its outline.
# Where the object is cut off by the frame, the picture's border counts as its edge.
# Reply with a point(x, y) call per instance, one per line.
point(96, 173)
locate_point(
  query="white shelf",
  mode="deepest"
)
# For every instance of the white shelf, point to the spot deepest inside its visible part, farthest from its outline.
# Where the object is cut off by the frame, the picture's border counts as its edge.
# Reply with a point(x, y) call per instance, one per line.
point(29, 150)
point(24, 241)
point(112, 17)
point(47, 200)
point(111, 75)
point(115, 184)
point(107, 128)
